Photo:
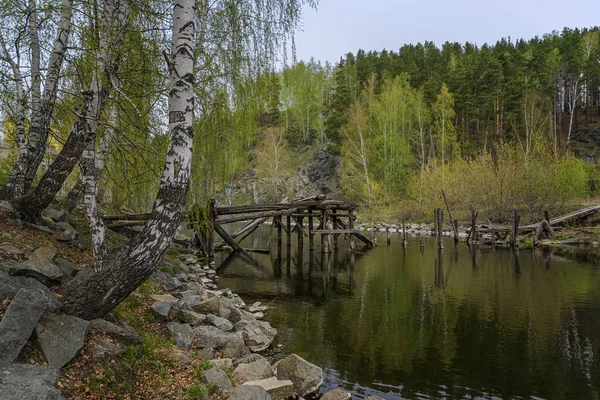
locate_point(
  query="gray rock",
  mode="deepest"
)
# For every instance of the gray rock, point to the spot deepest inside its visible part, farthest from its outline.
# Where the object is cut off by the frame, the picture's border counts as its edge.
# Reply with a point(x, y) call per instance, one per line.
point(235, 348)
point(52, 302)
point(185, 293)
point(66, 267)
point(66, 233)
point(9, 286)
point(40, 266)
point(6, 207)
point(223, 364)
point(167, 298)
point(31, 382)
point(169, 283)
point(307, 377)
point(220, 322)
point(254, 371)
point(225, 307)
point(161, 310)
point(218, 378)
point(181, 357)
point(11, 249)
point(337, 394)
point(209, 306)
point(17, 223)
point(191, 317)
point(61, 338)
point(206, 353)
point(196, 287)
point(125, 335)
point(238, 315)
point(55, 215)
point(104, 350)
point(248, 359)
point(18, 323)
point(231, 344)
point(258, 335)
point(181, 334)
point(245, 392)
point(277, 389)
point(188, 303)
point(42, 228)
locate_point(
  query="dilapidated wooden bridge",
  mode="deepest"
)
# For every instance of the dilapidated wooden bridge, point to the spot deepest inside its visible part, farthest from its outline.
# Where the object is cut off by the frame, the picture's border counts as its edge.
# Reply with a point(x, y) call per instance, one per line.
point(306, 218)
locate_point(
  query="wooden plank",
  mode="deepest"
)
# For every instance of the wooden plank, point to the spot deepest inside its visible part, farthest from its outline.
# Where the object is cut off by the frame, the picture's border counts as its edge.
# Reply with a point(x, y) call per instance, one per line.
point(230, 241)
point(263, 214)
point(332, 231)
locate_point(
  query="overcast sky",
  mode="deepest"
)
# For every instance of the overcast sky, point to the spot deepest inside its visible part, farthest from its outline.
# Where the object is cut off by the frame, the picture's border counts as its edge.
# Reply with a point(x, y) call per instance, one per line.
point(341, 26)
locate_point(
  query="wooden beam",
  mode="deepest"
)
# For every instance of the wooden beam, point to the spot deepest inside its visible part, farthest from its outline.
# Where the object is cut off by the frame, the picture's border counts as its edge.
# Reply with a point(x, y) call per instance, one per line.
point(230, 241)
point(263, 214)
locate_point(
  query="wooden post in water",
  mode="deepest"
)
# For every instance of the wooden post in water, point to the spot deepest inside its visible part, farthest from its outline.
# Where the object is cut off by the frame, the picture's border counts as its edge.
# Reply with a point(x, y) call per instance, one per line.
point(514, 240)
point(473, 234)
point(387, 236)
point(277, 220)
point(311, 236)
point(435, 221)
point(453, 222)
point(300, 233)
point(404, 242)
point(440, 223)
point(289, 233)
point(335, 226)
point(324, 237)
point(351, 226)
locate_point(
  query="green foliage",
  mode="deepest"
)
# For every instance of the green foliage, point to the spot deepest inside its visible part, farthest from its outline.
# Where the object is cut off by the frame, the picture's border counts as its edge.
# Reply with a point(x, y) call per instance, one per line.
point(196, 392)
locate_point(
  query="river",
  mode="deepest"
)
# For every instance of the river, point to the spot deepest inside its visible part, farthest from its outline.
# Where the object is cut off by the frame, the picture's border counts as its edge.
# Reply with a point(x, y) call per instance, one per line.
point(418, 323)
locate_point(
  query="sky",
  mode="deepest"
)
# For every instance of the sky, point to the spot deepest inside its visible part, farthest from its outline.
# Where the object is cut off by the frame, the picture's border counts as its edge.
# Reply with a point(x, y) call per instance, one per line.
point(341, 26)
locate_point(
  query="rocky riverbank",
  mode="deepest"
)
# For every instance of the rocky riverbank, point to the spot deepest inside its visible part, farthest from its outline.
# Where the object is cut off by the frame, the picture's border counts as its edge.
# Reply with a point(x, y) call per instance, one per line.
point(178, 336)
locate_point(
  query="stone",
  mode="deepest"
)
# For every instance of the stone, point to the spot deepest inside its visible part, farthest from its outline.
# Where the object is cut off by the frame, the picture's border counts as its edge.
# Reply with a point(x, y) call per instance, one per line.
point(55, 215)
point(254, 371)
point(223, 363)
point(25, 381)
point(104, 350)
point(258, 335)
point(9, 286)
point(191, 317)
point(235, 348)
point(42, 228)
point(169, 283)
point(307, 377)
point(184, 294)
point(209, 306)
point(259, 315)
point(238, 315)
point(125, 335)
point(52, 302)
point(196, 287)
point(61, 338)
point(245, 392)
point(66, 267)
point(191, 303)
point(161, 310)
point(248, 359)
point(40, 266)
point(166, 298)
point(67, 235)
point(225, 307)
point(206, 353)
point(218, 378)
point(277, 389)
point(221, 323)
point(10, 249)
point(181, 357)
point(211, 336)
point(181, 334)
point(18, 323)
point(6, 207)
point(337, 394)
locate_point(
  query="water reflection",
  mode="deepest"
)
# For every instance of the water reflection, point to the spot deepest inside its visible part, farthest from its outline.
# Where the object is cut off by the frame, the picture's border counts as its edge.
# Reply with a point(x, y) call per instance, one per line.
point(426, 323)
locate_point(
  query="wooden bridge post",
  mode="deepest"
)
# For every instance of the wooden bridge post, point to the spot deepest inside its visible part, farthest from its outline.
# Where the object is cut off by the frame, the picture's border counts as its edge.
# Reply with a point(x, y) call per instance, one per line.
point(277, 220)
point(440, 224)
point(514, 240)
point(324, 237)
point(300, 233)
point(351, 226)
point(335, 226)
point(404, 242)
point(289, 233)
point(311, 236)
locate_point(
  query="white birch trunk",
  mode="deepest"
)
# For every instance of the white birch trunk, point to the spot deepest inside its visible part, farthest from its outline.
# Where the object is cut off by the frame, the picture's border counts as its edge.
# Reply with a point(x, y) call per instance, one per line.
point(95, 294)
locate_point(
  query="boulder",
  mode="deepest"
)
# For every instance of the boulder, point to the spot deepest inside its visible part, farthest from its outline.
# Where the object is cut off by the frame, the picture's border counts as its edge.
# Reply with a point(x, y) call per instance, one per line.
point(277, 389)
point(181, 357)
point(307, 377)
point(245, 392)
point(337, 394)
point(104, 350)
point(169, 283)
point(206, 353)
point(40, 266)
point(258, 335)
point(181, 334)
point(61, 338)
point(211, 336)
point(9, 286)
point(191, 317)
point(55, 215)
point(196, 287)
point(161, 309)
point(218, 378)
point(221, 323)
point(225, 307)
point(18, 323)
point(125, 335)
point(7, 208)
point(66, 267)
point(238, 315)
point(11, 249)
point(248, 359)
point(254, 371)
point(223, 363)
point(188, 303)
point(25, 381)
point(52, 302)
point(166, 298)
point(235, 348)
point(184, 294)
point(208, 306)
